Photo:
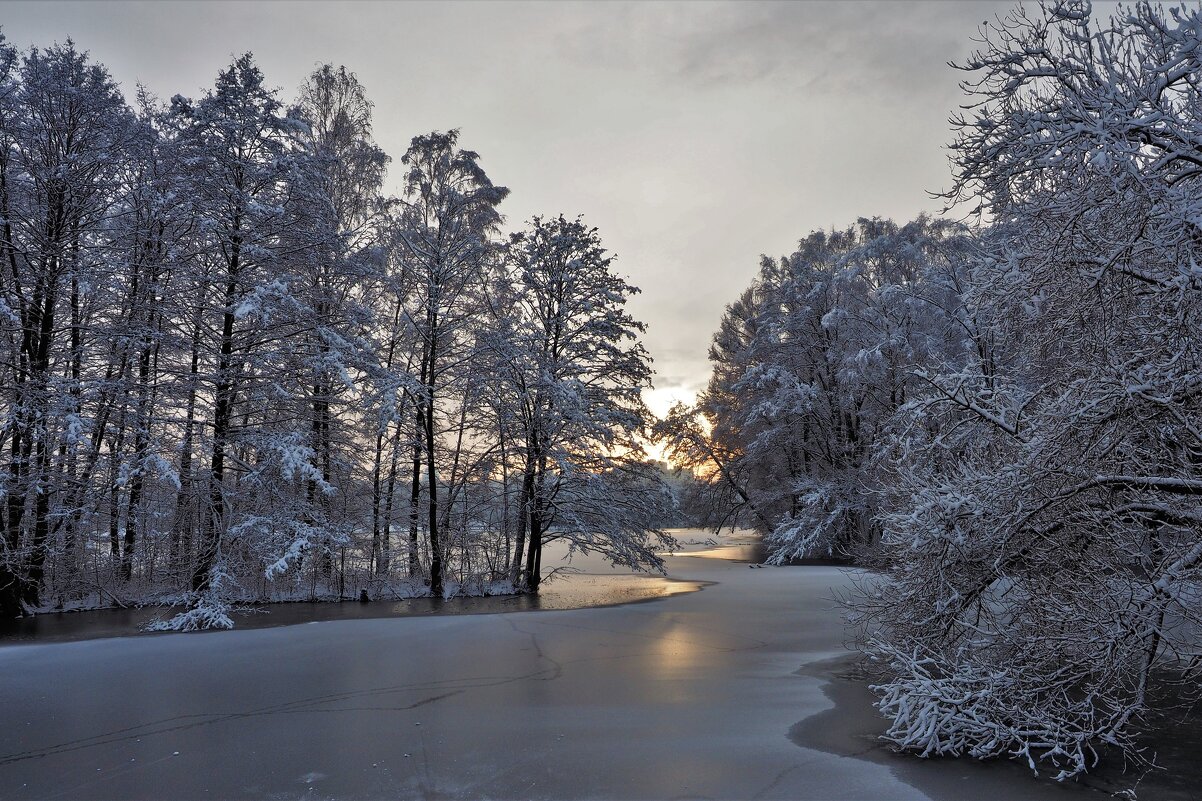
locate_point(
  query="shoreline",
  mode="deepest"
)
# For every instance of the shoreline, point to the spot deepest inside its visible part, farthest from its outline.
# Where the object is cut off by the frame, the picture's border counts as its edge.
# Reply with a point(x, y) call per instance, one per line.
point(851, 728)
point(575, 591)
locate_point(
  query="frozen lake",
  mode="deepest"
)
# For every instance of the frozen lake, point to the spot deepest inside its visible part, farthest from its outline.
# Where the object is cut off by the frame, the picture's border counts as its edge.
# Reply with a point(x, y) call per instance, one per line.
point(723, 692)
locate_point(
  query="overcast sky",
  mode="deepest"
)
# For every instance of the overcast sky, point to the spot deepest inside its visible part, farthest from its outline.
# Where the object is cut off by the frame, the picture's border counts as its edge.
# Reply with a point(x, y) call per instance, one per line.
point(695, 136)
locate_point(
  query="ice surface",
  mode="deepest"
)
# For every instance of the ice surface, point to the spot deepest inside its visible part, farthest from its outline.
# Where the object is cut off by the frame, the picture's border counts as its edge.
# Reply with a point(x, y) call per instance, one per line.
point(691, 696)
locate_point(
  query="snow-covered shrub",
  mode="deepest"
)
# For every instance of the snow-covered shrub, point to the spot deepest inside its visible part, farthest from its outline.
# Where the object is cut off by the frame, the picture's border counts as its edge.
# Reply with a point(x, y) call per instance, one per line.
point(982, 710)
point(206, 609)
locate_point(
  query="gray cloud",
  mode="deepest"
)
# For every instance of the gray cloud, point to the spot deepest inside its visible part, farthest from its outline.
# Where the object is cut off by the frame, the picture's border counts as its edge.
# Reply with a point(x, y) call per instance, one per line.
point(866, 47)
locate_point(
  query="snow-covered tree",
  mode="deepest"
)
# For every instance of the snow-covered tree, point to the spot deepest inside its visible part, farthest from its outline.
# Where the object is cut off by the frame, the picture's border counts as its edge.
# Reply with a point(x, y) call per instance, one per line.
point(1044, 537)
point(63, 133)
point(332, 266)
point(241, 158)
point(448, 222)
point(809, 366)
point(576, 371)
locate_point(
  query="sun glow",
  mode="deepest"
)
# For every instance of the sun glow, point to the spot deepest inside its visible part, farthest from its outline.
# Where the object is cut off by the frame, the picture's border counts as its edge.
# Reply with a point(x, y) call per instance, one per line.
point(659, 400)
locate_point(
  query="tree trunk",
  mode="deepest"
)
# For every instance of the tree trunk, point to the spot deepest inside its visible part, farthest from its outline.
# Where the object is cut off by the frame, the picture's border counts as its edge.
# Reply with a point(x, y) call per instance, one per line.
point(386, 531)
point(432, 491)
point(214, 522)
point(183, 522)
point(518, 575)
point(32, 585)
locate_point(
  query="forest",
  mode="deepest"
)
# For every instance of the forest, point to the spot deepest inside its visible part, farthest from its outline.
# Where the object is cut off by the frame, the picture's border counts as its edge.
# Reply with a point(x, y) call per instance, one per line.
point(234, 370)
point(999, 412)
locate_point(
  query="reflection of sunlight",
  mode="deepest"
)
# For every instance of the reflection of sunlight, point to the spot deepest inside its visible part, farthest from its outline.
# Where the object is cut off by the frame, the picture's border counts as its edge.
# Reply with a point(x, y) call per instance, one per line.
point(734, 553)
point(675, 653)
point(741, 545)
